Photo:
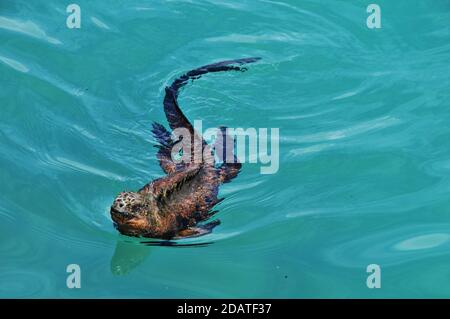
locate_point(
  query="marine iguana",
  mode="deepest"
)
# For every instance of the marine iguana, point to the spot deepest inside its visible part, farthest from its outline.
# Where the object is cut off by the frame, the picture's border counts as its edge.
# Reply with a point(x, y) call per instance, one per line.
point(174, 205)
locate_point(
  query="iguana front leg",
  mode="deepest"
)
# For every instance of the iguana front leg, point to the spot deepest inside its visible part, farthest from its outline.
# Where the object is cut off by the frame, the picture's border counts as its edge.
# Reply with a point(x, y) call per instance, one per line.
point(197, 231)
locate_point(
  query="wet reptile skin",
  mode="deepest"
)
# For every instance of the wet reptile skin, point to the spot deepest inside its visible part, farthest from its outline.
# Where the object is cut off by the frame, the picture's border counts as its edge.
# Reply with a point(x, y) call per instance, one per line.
point(172, 206)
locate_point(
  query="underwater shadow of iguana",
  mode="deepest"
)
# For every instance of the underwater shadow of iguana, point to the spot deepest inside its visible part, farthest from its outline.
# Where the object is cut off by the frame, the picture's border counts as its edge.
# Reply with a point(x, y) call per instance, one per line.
point(128, 255)
point(175, 205)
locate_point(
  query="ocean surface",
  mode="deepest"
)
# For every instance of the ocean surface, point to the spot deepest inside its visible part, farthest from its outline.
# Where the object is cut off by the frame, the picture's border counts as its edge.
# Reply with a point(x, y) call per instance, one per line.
point(364, 163)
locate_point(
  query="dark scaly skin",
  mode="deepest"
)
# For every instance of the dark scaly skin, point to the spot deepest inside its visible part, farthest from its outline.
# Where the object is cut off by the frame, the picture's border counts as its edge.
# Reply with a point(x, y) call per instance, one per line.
point(172, 206)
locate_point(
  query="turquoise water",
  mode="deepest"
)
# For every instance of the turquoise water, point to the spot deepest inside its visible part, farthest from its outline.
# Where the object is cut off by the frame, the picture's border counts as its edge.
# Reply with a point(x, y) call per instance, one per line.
point(364, 146)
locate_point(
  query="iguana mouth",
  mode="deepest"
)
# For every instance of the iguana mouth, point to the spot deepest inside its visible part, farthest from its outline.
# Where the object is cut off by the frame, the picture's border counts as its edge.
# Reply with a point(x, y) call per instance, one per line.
point(121, 217)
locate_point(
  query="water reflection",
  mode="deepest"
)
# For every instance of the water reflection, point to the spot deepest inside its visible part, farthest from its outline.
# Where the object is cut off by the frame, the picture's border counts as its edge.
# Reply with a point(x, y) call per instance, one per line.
point(130, 254)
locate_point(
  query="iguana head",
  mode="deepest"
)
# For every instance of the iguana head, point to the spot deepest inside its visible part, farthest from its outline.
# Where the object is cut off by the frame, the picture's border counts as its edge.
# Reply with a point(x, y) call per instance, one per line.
point(130, 213)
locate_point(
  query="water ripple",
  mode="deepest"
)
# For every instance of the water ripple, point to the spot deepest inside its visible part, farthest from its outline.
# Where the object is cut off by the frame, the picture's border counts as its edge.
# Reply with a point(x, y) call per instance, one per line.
point(392, 246)
point(16, 65)
point(372, 125)
point(28, 28)
point(23, 284)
